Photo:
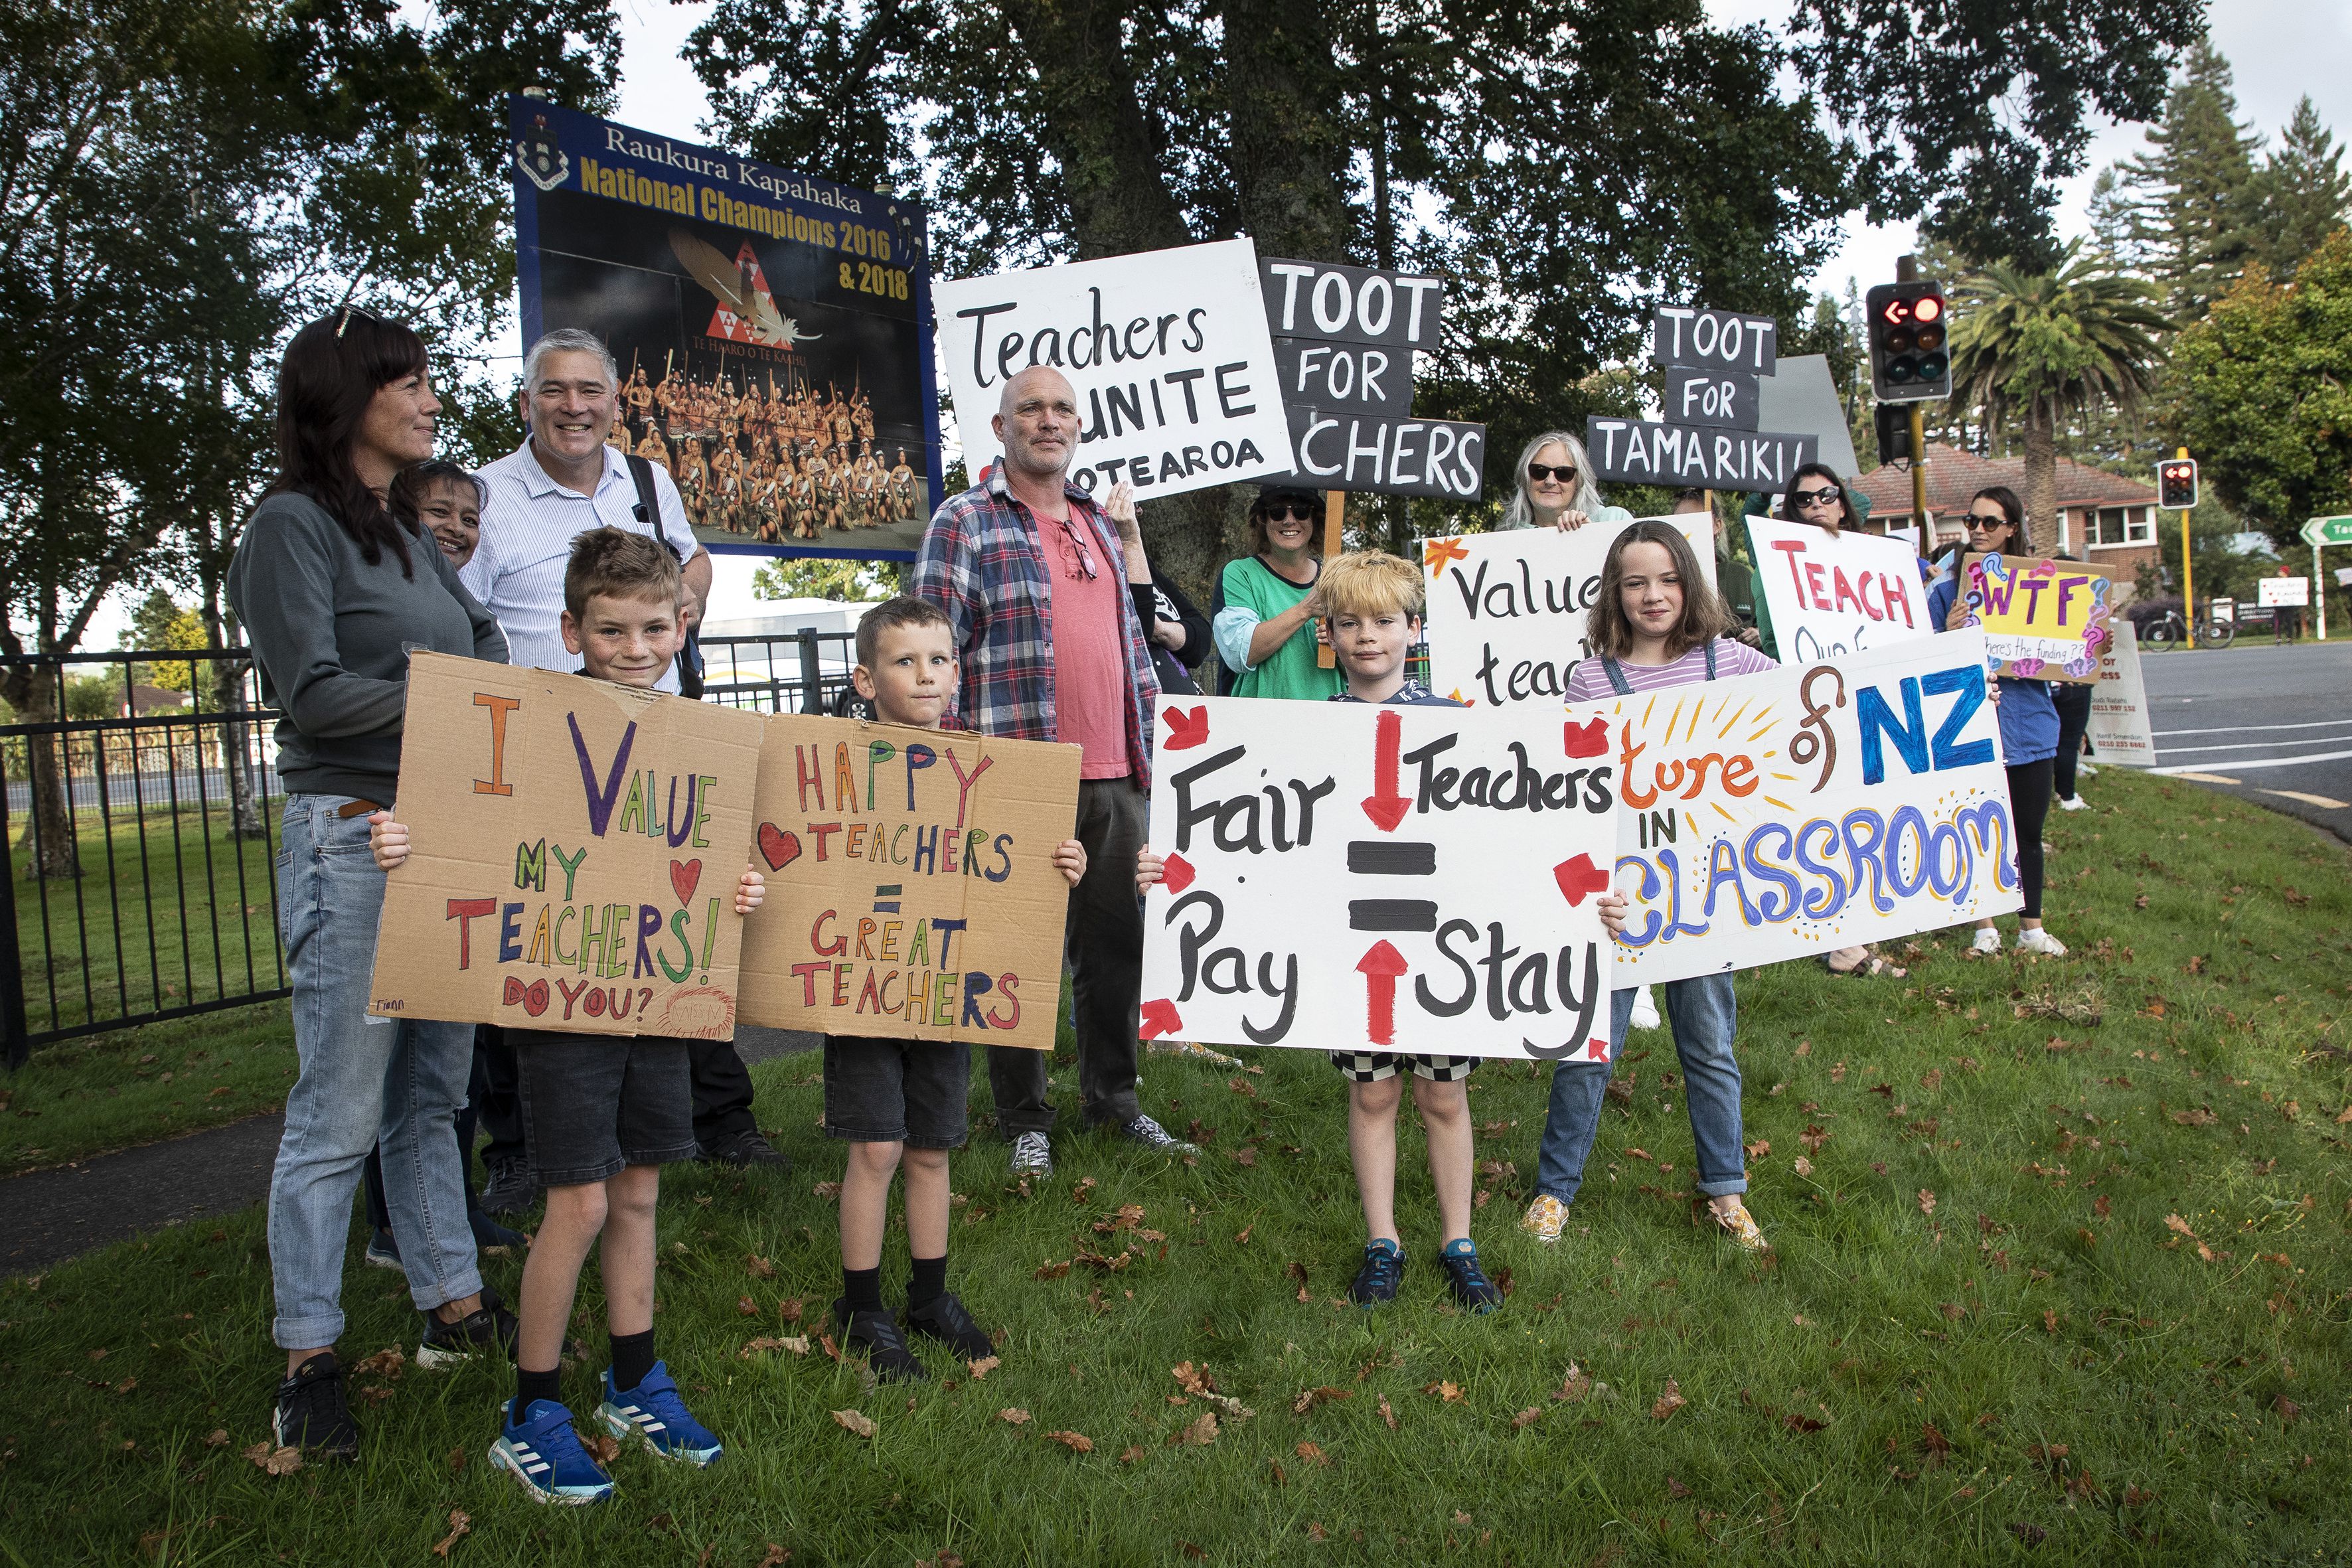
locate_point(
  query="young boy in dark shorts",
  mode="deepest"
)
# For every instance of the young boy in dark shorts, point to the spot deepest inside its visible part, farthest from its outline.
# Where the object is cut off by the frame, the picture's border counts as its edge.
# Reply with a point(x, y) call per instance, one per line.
point(601, 1113)
point(900, 1103)
point(1371, 608)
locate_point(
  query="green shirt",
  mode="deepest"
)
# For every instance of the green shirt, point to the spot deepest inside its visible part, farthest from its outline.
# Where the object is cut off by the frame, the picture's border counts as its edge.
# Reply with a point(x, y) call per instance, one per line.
point(1253, 587)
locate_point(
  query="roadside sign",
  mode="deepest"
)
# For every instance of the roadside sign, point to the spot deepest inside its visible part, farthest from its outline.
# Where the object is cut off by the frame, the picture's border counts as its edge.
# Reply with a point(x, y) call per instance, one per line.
point(2322, 531)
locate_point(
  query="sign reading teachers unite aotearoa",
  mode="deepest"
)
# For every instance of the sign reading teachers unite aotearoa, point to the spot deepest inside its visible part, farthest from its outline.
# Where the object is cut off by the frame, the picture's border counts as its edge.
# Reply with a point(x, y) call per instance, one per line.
point(1347, 877)
point(1168, 350)
point(1809, 808)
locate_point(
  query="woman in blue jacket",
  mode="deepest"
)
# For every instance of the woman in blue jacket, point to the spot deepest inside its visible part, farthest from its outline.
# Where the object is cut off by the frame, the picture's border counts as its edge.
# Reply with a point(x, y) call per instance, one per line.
point(2029, 719)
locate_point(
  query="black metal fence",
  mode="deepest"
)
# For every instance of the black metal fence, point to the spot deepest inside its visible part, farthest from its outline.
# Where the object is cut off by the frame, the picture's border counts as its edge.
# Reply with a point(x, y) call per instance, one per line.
point(139, 827)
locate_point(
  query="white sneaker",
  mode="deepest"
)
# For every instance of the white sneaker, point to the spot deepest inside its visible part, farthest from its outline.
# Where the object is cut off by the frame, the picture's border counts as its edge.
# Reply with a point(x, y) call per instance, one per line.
point(1987, 939)
point(2073, 803)
point(2085, 771)
point(2034, 939)
point(1032, 1156)
point(1645, 1011)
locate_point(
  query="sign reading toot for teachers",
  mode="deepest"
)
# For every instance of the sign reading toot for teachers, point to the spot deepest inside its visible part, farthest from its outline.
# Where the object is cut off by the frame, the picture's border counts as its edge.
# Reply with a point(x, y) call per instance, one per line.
point(1809, 808)
point(1167, 350)
point(911, 889)
point(1507, 612)
point(1344, 877)
point(1835, 593)
point(576, 849)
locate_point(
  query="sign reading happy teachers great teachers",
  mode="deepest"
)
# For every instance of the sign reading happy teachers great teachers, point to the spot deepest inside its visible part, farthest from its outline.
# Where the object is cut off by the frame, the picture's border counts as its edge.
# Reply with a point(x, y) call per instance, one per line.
point(1167, 352)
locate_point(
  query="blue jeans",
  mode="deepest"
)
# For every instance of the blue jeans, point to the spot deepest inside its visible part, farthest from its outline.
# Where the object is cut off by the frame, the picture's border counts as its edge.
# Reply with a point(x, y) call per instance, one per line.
point(364, 1083)
point(1704, 1017)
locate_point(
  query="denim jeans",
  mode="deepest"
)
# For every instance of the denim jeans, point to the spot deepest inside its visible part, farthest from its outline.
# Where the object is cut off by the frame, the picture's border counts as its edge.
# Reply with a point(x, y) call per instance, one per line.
point(364, 1083)
point(1703, 1019)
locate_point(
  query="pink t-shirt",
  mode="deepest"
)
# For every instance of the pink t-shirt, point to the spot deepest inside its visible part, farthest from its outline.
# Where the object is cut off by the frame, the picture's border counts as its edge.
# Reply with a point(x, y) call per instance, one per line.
point(1089, 652)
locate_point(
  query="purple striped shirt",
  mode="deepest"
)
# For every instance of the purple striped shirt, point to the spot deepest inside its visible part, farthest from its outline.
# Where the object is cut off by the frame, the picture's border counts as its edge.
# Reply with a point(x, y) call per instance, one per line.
point(1589, 682)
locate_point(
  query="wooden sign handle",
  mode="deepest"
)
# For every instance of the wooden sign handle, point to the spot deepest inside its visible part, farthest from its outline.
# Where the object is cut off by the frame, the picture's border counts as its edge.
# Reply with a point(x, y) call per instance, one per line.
point(1335, 508)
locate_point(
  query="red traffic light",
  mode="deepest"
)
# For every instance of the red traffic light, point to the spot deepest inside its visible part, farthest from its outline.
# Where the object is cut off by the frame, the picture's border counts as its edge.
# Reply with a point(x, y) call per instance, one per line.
point(1927, 308)
point(1897, 312)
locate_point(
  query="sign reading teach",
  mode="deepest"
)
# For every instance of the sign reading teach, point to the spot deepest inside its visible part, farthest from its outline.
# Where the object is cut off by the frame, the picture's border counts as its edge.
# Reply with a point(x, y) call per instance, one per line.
point(1809, 808)
point(911, 889)
point(1343, 877)
point(576, 848)
point(1835, 593)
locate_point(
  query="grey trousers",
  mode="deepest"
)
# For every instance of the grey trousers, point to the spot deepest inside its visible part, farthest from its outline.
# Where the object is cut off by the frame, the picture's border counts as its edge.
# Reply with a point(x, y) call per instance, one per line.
point(1102, 942)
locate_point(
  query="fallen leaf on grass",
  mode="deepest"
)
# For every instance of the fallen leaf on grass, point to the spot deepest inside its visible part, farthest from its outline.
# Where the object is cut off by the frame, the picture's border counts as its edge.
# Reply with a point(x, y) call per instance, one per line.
point(984, 1366)
point(1075, 1442)
point(1939, 1448)
point(855, 1421)
point(216, 1438)
point(1078, 1193)
point(1757, 1150)
point(1802, 1424)
point(603, 1446)
point(1388, 1415)
point(1313, 1454)
point(1312, 1398)
point(1191, 1551)
point(758, 1266)
point(387, 1363)
point(747, 1307)
point(2197, 1116)
point(1676, 1489)
point(1013, 1417)
point(1317, 1532)
point(457, 1460)
point(1575, 1387)
point(2031, 1534)
point(1804, 1167)
point(1525, 1419)
point(1447, 1393)
point(1192, 1378)
point(2288, 1410)
point(275, 1461)
point(777, 1555)
point(1050, 1272)
point(1126, 1216)
point(829, 1191)
point(461, 1526)
point(1669, 1402)
point(2173, 1222)
point(1245, 1156)
point(1927, 1201)
point(1199, 1433)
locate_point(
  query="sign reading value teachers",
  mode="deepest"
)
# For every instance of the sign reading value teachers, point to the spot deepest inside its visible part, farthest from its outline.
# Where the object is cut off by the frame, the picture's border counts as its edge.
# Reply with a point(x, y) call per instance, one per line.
point(576, 850)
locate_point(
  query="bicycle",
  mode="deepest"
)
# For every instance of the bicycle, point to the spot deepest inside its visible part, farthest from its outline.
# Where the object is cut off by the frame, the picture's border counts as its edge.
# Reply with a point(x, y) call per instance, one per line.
point(2168, 630)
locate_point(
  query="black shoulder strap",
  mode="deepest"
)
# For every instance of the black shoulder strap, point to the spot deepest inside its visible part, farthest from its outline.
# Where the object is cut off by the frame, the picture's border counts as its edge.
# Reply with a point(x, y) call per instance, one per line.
point(641, 469)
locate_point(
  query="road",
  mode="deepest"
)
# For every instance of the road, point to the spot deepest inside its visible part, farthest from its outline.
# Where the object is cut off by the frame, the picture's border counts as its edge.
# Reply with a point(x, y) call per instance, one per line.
point(2272, 725)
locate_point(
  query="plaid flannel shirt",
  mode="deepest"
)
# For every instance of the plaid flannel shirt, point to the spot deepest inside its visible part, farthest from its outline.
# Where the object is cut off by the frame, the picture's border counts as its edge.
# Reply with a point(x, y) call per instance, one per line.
point(982, 562)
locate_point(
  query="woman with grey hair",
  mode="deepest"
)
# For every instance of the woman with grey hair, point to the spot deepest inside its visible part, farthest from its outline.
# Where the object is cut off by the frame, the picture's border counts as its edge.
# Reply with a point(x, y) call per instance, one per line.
point(1556, 488)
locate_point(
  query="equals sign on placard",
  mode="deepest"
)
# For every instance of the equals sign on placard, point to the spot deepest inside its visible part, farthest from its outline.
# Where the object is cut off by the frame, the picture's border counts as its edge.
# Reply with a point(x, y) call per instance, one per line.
point(886, 899)
point(1379, 858)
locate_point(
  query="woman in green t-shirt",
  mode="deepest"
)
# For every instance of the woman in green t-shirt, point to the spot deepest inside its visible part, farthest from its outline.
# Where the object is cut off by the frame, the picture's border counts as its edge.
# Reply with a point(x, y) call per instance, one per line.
point(1264, 625)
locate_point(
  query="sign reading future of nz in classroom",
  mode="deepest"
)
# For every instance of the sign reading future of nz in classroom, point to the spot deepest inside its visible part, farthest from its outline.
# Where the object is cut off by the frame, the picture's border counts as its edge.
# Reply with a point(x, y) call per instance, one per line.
point(772, 330)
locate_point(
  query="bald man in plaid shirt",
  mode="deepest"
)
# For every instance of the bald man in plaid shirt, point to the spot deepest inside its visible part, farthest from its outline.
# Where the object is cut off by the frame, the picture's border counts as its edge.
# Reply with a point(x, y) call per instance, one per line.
point(1035, 579)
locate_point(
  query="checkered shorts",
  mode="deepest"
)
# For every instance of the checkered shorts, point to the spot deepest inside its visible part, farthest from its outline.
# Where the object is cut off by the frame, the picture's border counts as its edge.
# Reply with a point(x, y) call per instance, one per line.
point(1372, 1067)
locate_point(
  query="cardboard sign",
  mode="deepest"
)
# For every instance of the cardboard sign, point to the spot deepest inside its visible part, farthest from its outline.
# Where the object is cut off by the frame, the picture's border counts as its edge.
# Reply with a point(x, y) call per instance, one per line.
point(2119, 729)
point(1168, 350)
point(1507, 612)
point(2042, 620)
point(1649, 453)
point(1719, 397)
point(1351, 304)
point(1702, 339)
point(1441, 457)
point(576, 850)
point(1346, 877)
point(1835, 593)
point(2283, 593)
point(1811, 807)
point(911, 889)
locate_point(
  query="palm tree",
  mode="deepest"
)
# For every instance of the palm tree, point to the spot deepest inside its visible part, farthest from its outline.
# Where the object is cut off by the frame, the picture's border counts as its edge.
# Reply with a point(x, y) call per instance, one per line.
point(2041, 348)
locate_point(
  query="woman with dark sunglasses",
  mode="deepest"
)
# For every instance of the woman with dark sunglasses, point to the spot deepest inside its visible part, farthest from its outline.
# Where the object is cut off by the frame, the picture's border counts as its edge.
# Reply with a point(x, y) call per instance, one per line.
point(1556, 488)
point(2029, 719)
point(1268, 606)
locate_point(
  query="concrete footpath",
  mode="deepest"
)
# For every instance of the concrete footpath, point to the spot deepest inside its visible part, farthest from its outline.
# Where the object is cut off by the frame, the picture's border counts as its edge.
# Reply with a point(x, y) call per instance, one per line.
point(48, 1216)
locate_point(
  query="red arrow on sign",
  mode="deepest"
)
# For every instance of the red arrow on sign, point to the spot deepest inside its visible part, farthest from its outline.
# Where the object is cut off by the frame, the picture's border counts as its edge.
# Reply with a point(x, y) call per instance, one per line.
point(1385, 805)
point(1158, 1018)
point(1185, 730)
point(1380, 966)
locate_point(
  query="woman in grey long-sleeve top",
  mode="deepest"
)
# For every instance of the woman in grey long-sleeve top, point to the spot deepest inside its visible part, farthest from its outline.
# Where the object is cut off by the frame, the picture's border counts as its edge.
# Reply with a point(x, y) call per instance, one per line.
point(334, 593)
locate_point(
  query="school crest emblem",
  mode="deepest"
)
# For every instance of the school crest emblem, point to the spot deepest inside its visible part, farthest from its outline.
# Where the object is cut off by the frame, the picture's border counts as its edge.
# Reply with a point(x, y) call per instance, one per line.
point(538, 156)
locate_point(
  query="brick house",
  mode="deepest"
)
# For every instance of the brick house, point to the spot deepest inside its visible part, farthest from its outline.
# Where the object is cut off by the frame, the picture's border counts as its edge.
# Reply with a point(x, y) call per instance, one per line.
point(2104, 518)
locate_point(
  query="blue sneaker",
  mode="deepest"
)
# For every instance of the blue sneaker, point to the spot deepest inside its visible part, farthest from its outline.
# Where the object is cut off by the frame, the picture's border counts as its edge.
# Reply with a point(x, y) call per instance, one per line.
point(545, 1455)
point(654, 1412)
point(1377, 1280)
point(1466, 1278)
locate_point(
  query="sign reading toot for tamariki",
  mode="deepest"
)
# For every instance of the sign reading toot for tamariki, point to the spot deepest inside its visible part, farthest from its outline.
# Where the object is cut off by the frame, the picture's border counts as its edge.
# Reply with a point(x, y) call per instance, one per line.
point(576, 848)
point(911, 888)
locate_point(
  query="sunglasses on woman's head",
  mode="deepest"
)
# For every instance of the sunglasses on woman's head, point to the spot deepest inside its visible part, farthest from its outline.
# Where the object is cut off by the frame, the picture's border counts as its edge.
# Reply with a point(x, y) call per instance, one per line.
point(1564, 472)
point(1815, 498)
point(1281, 509)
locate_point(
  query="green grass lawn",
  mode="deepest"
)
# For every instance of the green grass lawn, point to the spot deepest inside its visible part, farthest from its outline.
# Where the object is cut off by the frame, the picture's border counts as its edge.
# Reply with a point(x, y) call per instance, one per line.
point(80, 1097)
point(2062, 1279)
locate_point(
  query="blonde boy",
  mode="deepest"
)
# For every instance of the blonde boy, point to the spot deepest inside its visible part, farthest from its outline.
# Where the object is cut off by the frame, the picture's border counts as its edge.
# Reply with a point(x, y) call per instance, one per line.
point(1373, 603)
point(901, 1104)
point(601, 1113)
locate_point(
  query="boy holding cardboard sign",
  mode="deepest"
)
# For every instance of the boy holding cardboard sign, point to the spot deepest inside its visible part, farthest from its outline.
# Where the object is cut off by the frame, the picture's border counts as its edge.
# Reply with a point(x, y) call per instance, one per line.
point(601, 1113)
point(900, 1102)
point(1373, 603)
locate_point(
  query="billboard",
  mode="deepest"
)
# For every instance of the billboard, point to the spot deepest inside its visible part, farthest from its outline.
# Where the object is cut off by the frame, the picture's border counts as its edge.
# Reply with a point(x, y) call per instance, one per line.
point(772, 329)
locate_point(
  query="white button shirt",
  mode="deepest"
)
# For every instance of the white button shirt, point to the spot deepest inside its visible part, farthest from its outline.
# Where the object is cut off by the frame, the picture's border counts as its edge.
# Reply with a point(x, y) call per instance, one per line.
point(529, 522)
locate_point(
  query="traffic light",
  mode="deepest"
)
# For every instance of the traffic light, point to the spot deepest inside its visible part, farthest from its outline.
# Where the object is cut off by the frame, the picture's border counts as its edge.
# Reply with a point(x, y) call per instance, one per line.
point(1908, 328)
point(2176, 484)
point(1893, 433)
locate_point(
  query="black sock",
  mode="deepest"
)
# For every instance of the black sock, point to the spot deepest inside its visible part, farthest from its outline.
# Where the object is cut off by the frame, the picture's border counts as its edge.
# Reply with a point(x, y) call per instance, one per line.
point(531, 1386)
point(929, 1281)
point(633, 1357)
point(863, 1287)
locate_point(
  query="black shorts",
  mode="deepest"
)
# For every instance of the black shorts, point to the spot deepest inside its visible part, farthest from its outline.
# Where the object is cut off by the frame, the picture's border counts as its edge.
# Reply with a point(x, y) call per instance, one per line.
point(897, 1091)
point(594, 1103)
point(1373, 1066)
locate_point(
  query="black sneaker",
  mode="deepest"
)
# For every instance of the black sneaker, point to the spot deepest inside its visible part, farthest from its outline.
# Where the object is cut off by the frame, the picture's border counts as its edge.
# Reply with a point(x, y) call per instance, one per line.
point(745, 1149)
point(311, 1414)
point(1466, 1278)
point(488, 1326)
point(1377, 1280)
point(383, 1252)
point(489, 1235)
point(943, 1318)
point(876, 1334)
point(1151, 1135)
point(510, 1189)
